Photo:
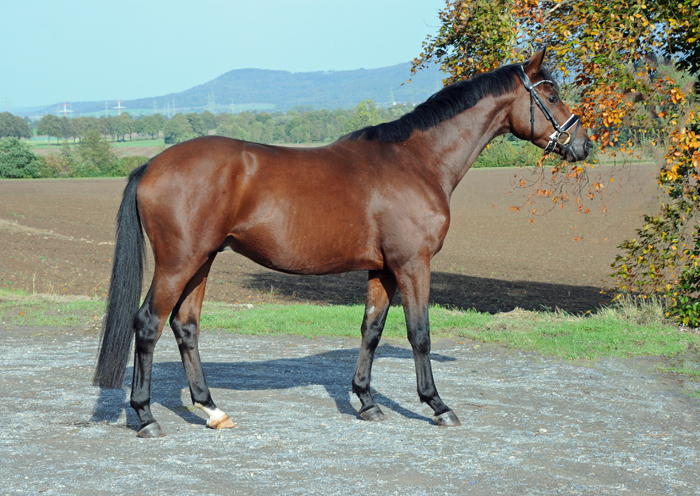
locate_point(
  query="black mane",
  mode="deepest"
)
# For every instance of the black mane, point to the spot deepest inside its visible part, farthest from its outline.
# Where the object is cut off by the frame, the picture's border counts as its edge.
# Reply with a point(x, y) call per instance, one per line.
point(445, 104)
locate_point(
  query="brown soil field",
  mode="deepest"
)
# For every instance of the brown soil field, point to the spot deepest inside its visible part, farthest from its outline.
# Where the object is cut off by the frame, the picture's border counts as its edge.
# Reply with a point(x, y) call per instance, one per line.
point(56, 236)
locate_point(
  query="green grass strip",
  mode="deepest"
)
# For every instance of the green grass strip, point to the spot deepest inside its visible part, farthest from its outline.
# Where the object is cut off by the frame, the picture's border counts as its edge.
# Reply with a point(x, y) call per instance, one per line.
point(21, 310)
point(693, 374)
point(612, 332)
point(552, 334)
point(315, 320)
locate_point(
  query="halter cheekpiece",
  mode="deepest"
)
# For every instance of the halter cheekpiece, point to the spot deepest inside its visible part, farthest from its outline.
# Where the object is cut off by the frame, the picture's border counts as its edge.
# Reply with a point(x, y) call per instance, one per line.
point(561, 136)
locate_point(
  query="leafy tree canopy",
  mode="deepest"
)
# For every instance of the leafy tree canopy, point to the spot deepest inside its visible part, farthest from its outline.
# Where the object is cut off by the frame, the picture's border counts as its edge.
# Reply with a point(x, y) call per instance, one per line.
point(629, 67)
point(17, 160)
point(11, 125)
point(50, 125)
point(366, 114)
point(178, 129)
point(94, 151)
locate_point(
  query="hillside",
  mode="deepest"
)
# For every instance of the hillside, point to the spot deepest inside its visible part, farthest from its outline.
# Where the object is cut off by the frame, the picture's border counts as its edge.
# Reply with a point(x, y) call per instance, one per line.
point(250, 89)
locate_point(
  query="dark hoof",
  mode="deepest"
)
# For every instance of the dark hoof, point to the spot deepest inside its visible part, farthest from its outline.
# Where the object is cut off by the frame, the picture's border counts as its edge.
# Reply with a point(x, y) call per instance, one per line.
point(373, 414)
point(447, 419)
point(151, 430)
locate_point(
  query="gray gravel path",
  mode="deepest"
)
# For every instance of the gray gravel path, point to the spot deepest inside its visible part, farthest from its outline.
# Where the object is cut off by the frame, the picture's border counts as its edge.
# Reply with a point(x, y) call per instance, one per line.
point(531, 425)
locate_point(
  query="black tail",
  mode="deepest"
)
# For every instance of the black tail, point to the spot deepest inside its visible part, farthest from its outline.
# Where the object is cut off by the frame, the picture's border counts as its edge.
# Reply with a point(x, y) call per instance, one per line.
point(124, 290)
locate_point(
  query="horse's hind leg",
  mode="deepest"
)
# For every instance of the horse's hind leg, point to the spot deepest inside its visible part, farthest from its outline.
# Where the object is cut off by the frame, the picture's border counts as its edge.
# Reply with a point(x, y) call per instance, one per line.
point(148, 326)
point(414, 285)
point(185, 324)
point(380, 290)
point(168, 285)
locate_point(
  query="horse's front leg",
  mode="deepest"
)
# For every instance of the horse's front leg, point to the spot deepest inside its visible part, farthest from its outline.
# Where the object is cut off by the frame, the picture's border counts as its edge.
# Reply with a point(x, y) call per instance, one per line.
point(414, 285)
point(381, 287)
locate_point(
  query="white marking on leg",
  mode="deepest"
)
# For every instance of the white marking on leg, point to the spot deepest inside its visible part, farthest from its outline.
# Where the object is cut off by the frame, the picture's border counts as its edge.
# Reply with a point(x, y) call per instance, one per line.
point(214, 414)
point(370, 311)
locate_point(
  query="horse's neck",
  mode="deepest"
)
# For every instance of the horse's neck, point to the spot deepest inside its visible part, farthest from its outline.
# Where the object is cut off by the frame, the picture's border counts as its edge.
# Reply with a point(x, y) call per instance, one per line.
point(453, 145)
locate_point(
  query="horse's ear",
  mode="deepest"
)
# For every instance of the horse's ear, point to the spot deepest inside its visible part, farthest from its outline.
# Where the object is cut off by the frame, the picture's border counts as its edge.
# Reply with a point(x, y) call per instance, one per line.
point(533, 65)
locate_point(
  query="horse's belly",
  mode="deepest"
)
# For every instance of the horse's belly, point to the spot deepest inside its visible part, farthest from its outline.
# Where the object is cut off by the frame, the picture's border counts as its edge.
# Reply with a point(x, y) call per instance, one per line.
point(310, 253)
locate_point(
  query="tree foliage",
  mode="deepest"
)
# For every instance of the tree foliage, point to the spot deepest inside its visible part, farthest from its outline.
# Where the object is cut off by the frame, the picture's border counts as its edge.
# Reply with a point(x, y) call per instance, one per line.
point(366, 114)
point(96, 157)
point(628, 67)
point(11, 125)
point(178, 129)
point(17, 161)
point(50, 126)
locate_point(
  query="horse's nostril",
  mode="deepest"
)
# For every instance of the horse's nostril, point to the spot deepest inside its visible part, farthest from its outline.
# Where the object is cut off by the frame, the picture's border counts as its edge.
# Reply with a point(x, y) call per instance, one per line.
point(588, 146)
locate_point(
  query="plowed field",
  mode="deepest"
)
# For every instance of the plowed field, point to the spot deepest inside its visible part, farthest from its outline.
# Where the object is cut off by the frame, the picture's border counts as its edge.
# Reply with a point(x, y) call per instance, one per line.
point(56, 236)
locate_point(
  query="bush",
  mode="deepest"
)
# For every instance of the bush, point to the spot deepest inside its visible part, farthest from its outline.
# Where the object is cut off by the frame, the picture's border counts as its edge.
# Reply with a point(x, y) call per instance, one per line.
point(62, 164)
point(684, 296)
point(17, 160)
point(122, 167)
point(95, 155)
point(504, 153)
point(70, 162)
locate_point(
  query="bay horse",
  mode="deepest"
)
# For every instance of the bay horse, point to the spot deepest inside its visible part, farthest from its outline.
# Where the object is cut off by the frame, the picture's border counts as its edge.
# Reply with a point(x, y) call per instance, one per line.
point(377, 199)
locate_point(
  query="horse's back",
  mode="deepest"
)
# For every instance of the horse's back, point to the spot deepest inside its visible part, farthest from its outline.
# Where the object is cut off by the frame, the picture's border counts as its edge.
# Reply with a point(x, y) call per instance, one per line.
point(289, 209)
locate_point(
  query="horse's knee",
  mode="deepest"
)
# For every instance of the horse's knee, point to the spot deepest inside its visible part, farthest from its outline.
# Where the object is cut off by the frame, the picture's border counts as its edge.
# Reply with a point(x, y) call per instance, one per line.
point(420, 341)
point(146, 328)
point(372, 328)
point(186, 333)
point(371, 339)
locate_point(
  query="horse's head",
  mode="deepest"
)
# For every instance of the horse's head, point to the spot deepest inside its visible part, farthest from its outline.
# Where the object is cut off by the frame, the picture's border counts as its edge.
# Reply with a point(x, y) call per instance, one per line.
point(539, 115)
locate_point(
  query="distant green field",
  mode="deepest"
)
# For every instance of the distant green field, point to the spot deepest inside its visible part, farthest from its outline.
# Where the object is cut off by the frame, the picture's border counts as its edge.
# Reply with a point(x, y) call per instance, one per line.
point(146, 142)
point(42, 145)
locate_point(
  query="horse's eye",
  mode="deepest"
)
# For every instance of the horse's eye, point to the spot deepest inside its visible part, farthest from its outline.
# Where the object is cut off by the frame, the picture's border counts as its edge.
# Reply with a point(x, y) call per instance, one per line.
point(553, 99)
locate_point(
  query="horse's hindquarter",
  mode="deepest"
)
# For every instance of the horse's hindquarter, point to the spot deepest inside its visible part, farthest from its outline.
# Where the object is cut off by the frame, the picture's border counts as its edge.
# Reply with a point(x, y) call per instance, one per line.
point(307, 211)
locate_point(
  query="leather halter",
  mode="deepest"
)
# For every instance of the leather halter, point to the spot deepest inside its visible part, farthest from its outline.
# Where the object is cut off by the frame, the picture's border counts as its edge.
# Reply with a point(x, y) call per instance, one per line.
point(561, 136)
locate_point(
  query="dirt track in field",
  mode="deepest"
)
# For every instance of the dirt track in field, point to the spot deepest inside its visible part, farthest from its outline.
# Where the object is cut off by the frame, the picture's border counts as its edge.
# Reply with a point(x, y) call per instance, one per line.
point(56, 236)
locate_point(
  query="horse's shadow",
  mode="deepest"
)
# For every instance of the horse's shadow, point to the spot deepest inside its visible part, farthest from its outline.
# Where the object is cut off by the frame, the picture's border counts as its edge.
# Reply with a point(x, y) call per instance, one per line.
point(333, 370)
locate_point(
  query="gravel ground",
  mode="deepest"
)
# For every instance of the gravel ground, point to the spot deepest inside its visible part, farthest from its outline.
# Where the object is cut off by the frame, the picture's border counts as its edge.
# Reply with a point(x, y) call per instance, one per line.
point(531, 425)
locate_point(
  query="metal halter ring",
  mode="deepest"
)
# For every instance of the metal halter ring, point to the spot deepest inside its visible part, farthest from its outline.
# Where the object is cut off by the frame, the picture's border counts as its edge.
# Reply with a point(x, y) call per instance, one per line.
point(559, 131)
point(564, 142)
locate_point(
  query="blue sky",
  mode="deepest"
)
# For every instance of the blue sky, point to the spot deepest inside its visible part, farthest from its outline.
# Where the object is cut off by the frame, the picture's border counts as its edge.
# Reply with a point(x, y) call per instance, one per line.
point(91, 50)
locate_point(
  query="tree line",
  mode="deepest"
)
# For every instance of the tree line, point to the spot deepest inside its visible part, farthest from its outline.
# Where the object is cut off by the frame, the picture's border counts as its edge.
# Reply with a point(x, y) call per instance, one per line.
point(90, 155)
point(115, 128)
point(299, 125)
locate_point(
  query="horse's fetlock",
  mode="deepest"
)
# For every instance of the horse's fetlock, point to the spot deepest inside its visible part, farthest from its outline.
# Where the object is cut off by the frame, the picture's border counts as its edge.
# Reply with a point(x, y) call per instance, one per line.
point(139, 405)
point(428, 396)
point(360, 387)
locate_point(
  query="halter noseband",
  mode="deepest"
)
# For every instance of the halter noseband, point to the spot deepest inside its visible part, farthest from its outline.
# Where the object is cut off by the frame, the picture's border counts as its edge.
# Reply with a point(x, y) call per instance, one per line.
point(561, 136)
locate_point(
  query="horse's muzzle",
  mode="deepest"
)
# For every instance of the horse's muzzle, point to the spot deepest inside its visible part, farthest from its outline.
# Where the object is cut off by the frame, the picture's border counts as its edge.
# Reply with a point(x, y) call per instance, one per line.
point(578, 150)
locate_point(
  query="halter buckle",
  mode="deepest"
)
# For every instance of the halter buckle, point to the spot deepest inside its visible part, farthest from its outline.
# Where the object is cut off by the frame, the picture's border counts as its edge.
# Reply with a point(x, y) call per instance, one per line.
point(562, 138)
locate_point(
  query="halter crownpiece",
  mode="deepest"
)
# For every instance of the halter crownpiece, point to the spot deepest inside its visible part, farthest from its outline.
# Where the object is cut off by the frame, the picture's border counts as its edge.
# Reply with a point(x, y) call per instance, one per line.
point(561, 135)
